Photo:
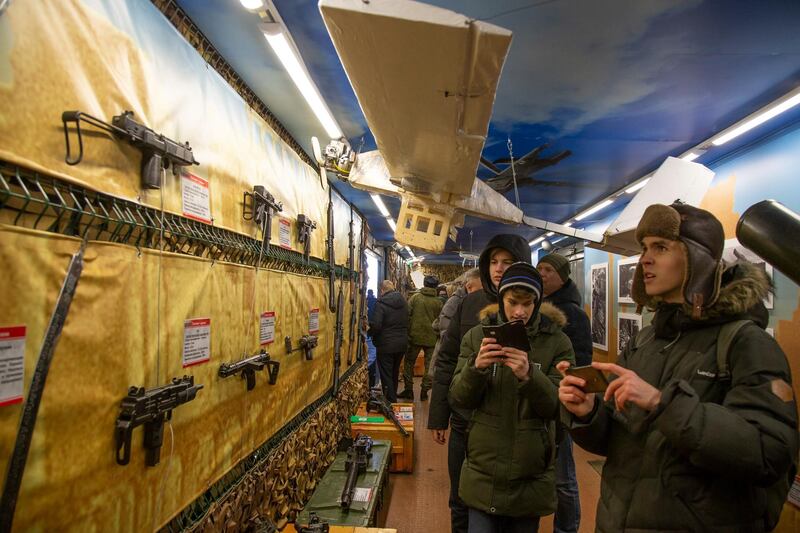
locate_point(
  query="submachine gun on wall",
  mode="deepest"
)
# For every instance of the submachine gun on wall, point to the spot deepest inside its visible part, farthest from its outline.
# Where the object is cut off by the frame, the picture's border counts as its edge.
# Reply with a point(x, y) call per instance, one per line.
point(338, 337)
point(260, 206)
point(248, 367)
point(152, 408)
point(358, 456)
point(158, 151)
point(376, 403)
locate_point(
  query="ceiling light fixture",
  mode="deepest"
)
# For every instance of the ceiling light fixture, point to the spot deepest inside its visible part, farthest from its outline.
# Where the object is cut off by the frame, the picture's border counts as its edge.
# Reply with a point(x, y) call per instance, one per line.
point(691, 156)
point(759, 117)
point(390, 221)
point(381, 206)
point(252, 4)
point(536, 241)
point(594, 209)
point(633, 188)
point(276, 38)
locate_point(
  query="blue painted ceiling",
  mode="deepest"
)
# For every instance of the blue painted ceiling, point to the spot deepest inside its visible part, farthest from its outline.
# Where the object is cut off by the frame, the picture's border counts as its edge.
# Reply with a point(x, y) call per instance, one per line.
point(619, 84)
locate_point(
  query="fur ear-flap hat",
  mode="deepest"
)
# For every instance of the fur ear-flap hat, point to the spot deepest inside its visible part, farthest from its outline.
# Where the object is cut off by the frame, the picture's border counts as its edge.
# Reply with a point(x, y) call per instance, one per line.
point(703, 239)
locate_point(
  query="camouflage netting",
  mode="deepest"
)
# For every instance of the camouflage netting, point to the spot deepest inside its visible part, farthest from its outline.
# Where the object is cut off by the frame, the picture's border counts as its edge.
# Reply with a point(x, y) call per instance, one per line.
point(278, 485)
point(444, 273)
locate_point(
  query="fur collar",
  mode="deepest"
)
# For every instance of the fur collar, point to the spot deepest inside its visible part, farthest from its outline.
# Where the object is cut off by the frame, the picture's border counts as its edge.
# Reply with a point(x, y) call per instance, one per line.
point(553, 313)
point(744, 285)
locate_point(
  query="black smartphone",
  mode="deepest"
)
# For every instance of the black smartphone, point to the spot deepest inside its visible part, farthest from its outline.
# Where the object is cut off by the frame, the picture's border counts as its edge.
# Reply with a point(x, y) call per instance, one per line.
point(596, 381)
point(511, 334)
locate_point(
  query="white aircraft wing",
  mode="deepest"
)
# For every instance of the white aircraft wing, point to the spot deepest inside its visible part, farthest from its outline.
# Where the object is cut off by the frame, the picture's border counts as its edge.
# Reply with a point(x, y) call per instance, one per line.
point(425, 78)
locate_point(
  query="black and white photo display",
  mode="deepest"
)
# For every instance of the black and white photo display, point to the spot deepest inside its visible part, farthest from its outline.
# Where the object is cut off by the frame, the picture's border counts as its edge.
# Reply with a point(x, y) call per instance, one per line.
point(625, 270)
point(628, 325)
point(599, 305)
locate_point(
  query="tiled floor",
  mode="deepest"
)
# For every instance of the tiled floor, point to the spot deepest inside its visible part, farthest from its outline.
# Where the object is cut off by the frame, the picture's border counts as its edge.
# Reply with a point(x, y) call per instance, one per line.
point(418, 501)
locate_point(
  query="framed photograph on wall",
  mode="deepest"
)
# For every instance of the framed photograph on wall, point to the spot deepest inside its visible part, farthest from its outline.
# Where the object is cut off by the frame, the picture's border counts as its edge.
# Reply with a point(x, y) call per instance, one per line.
point(625, 269)
point(599, 305)
point(734, 252)
point(628, 325)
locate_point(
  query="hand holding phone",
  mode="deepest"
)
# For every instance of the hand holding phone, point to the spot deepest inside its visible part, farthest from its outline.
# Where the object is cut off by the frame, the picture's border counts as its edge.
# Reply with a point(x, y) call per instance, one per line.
point(511, 334)
point(595, 380)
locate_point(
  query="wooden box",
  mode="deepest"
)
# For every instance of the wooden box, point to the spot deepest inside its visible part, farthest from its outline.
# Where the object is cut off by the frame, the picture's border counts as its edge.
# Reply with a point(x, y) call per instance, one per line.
point(402, 447)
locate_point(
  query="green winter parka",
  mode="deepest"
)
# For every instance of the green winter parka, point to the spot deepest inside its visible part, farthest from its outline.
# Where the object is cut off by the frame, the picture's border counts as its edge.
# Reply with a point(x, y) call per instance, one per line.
point(423, 308)
point(702, 459)
point(510, 465)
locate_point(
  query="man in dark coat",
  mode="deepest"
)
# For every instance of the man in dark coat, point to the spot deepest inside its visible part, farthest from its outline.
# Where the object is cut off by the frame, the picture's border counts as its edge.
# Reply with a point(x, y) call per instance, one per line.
point(424, 307)
point(389, 331)
point(500, 253)
point(562, 292)
point(689, 446)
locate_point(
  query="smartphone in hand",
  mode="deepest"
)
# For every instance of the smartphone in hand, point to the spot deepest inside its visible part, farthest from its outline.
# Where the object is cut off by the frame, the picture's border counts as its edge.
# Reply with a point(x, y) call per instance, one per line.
point(511, 334)
point(595, 380)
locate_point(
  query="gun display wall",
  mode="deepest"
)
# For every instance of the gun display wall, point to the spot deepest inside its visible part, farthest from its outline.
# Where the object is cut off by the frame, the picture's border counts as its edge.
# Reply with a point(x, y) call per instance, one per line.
point(177, 281)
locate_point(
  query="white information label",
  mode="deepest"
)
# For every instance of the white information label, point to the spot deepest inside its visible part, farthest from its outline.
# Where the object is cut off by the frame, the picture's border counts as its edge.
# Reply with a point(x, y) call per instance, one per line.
point(267, 334)
point(196, 198)
point(285, 233)
point(313, 321)
point(12, 361)
point(196, 341)
point(405, 415)
point(362, 494)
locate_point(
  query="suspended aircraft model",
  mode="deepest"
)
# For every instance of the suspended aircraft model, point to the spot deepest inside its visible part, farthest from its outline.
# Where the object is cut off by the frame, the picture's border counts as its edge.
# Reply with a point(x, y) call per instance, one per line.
point(521, 170)
point(426, 78)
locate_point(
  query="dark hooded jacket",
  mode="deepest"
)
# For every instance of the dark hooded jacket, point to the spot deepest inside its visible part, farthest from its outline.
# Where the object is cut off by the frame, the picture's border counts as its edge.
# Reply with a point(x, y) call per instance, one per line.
point(568, 300)
point(389, 324)
point(510, 464)
point(465, 318)
point(701, 460)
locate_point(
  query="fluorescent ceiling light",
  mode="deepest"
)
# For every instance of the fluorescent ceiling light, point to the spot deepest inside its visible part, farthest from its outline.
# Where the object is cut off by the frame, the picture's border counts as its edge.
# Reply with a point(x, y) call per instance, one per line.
point(410, 252)
point(390, 221)
point(691, 156)
point(252, 4)
point(381, 206)
point(550, 234)
point(758, 119)
point(594, 209)
point(567, 224)
point(633, 188)
point(299, 76)
point(536, 241)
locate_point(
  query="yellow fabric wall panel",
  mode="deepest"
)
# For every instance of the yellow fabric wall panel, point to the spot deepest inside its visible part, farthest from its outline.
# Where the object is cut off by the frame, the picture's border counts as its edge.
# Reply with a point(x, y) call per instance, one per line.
point(104, 62)
point(109, 342)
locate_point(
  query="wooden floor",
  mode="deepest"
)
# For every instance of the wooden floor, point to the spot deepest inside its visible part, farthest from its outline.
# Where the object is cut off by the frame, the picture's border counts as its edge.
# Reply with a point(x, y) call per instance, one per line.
point(419, 501)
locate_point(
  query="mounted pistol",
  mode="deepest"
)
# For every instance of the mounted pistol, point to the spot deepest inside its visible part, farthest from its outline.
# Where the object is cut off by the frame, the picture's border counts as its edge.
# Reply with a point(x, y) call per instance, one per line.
point(260, 206)
point(248, 367)
point(158, 151)
point(304, 227)
point(307, 343)
point(358, 456)
point(151, 408)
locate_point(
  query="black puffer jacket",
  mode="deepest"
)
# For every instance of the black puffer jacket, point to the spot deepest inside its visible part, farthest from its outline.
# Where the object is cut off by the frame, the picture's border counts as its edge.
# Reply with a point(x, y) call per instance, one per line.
point(389, 325)
point(465, 318)
point(568, 300)
point(701, 460)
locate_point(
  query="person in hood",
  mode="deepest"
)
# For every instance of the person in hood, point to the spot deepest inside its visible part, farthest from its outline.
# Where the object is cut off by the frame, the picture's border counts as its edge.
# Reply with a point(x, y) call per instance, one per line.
point(690, 447)
point(508, 477)
point(389, 330)
point(500, 253)
point(424, 308)
point(562, 292)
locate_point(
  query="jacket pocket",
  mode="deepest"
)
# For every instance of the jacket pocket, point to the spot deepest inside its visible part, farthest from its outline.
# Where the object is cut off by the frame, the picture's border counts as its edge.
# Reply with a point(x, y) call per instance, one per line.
point(532, 451)
point(482, 443)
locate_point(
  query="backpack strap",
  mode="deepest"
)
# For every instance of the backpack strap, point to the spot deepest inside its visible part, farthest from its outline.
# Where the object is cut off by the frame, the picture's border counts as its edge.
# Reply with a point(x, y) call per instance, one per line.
point(725, 338)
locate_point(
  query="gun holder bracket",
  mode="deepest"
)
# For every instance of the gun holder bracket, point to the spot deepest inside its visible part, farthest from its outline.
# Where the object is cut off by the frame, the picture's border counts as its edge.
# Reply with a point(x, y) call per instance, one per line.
point(304, 227)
